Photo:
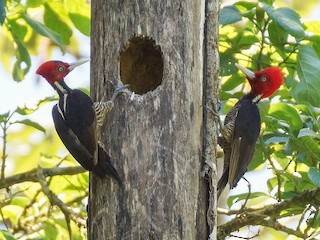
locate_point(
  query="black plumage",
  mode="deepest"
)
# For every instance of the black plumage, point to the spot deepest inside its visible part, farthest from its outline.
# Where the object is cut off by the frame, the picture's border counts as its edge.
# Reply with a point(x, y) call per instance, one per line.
point(241, 131)
point(75, 121)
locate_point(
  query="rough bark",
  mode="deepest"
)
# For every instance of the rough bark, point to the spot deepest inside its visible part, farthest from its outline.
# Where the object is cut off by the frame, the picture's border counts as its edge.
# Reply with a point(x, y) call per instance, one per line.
point(159, 141)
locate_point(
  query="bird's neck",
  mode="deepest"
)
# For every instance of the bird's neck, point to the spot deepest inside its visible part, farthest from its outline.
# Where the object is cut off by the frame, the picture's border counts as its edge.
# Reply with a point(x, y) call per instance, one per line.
point(253, 97)
point(61, 87)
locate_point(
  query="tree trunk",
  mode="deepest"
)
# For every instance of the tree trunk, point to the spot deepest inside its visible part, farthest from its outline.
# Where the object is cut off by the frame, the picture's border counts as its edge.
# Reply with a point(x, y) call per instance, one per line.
point(161, 139)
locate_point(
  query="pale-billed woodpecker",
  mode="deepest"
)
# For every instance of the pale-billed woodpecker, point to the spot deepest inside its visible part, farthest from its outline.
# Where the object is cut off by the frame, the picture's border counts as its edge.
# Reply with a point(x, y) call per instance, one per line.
point(76, 117)
point(242, 125)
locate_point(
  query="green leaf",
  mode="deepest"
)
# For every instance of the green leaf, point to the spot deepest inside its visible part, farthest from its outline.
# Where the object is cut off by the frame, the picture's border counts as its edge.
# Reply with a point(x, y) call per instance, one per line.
point(27, 111)
point(290, 14)
point(4, 116)
point(2, 11)
point(308, 65)
point(275, 138)
point(33, 124)
point(243, 196)
point(270, 2)
point(44, 31)
point(22, 66)
point(21, 201)
point(232, 82)
point(289, 195)
point(314, 222)
point(310, 148)
point(34, 3)
point(7, 235)
point(272, 183)
point(287, 19)
point(227, 64)
point(264, 107)
point(19, 30)
point(245, 6)
point(308, 132)
point(79, 13)
point(229, 14)
point(247, 9)
point(260, 12)
point(54, 21)
point(314, 175)
point(289, 212)
point(244, 40)
point(82, 23)
point(278, 36)
point(313, 38)
point(257, 159)
point(283, 111)
point(316, 47)
point(50, 230)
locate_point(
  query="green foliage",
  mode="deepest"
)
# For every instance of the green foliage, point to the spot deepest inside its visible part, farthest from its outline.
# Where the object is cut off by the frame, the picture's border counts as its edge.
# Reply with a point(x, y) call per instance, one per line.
point(37, 27)
point(25, 34)
point(229, 14)
point(44, 30)
point(25, 207)
point(314, 175)
point(258, 35)
point(7, 235)
point(2, 11)
point(306, 91)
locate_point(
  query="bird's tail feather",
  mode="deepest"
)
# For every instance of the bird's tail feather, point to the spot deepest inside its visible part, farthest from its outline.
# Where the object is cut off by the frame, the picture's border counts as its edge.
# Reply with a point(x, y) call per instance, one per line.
point(222, 184)
point(105, 166)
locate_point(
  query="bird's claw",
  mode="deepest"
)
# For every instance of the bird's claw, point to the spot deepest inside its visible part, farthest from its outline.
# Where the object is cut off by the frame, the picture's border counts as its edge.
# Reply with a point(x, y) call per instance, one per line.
point(115, 86)
point(216, 106)
point(118, 88)
point(215, 110)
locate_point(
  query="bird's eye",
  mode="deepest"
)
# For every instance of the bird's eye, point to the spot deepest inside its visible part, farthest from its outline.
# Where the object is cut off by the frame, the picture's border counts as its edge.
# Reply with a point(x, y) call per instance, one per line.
point(263, 79)
point(60, 68)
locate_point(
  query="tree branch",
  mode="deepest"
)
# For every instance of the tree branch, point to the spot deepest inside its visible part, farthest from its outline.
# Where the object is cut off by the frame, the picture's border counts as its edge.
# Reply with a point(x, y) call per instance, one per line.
point(261, 216)
point(31, 176)
point(274, 224)
point(54, 200)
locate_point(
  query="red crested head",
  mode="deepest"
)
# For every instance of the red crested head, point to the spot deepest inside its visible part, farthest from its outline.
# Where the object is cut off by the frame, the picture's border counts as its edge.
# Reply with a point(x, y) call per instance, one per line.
point(55, 71)
point(264, 82)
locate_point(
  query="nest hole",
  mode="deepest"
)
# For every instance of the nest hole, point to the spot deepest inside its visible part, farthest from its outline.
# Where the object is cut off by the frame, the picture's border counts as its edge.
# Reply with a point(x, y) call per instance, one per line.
point(141, 65)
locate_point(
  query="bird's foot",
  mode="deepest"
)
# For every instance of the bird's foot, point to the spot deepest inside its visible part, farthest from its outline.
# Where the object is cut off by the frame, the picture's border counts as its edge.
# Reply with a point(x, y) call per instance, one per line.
point(214, 110)
point(119, 88)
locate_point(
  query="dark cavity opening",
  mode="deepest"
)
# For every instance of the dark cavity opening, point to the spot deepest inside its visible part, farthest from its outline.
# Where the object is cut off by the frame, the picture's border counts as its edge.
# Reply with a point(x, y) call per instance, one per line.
point(141, 65)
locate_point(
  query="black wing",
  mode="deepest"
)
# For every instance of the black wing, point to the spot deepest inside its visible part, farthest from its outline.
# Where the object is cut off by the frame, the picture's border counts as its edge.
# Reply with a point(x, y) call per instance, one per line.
point(79, 115)
point(225, 143)
point(245, 135)
point(75, 122)
point(71, 141)
point(242, 128)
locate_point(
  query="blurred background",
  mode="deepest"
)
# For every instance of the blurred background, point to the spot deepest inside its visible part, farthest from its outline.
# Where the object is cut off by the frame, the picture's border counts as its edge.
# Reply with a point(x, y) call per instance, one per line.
point(35, 31)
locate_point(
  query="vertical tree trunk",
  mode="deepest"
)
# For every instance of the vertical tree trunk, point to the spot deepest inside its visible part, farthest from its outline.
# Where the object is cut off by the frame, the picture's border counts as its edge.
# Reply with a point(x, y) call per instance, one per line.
point(161, 140)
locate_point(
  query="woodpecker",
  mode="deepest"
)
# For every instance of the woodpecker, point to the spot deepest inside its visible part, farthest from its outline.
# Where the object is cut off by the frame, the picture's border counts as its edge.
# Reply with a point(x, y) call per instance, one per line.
point(75, 119)
point(242, 124)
